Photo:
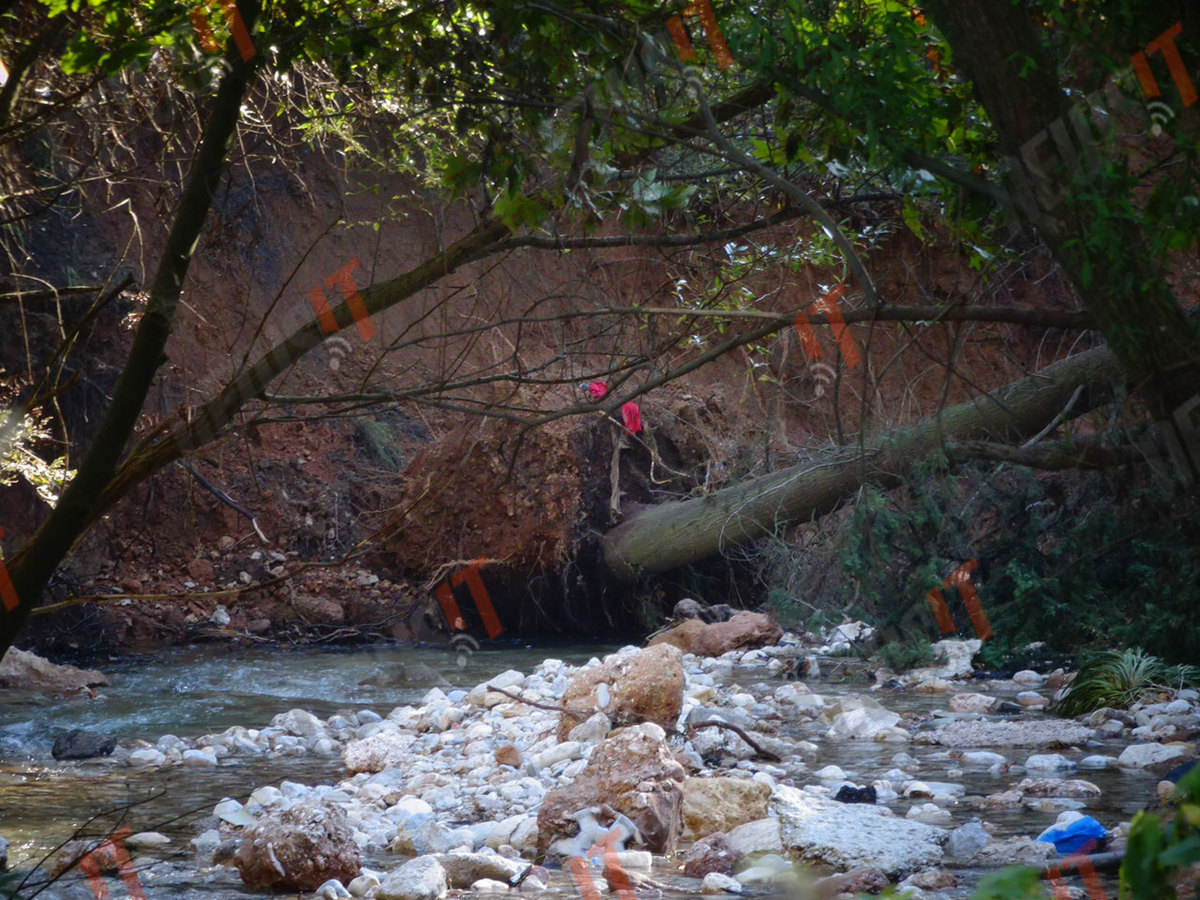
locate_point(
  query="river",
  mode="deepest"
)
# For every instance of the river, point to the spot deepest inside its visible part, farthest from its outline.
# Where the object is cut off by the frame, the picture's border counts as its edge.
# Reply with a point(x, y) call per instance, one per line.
point(204, 689)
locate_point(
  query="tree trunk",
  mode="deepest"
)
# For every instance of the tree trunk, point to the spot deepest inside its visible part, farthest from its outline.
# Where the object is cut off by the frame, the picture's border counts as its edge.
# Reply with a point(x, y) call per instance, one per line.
point(1088, 218)
point(31, 567)
point(674, 534)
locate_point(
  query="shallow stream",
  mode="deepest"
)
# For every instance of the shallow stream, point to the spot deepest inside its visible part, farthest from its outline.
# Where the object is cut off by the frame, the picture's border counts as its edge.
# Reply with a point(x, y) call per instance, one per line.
point(196, 690)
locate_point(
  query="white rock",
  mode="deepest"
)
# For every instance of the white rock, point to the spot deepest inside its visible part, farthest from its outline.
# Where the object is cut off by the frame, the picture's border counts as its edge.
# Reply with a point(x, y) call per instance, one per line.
point(363, 884)
point(860, 719)
point(595, 728)
point(422, 878)
point(146, 756)
point(1028, 676)
point(1048, 762)
point(1032, 699)
point(332, 890)
point(967, 840)
point(716, 883)
point(972, 702)
point(830, 773)
point(489, 886)
point(559, 753)
point(1142, 756)
point(199, 758)
point(232, 812)
point(147, 840)
point(982, 758)
point(206, 842)
point(759, 836)
point(507, 680)
point(849, 835)
point(930, 814)
point(1096, 761)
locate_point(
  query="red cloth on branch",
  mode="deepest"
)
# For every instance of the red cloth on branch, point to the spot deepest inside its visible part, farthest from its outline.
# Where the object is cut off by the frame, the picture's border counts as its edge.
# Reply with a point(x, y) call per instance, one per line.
point(632, 414)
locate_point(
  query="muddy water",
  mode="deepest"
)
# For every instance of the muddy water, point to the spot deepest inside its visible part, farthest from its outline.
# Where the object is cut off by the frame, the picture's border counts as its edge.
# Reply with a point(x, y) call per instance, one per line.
point(193, 691)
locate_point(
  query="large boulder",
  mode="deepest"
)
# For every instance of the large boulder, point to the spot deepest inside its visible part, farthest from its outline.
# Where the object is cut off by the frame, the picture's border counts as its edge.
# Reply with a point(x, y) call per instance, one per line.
point(646, 686)
point(858, 718)
point(759, 836)
point(721, 804)
point(851, 835)
point(957, 655)
point(422, 878)
point(682, 636)
point(21, 669)
point(464, 869)
point(632, 773)
point(298, 849)
point(1151, 756)
point(80, 744)
point(745, 631)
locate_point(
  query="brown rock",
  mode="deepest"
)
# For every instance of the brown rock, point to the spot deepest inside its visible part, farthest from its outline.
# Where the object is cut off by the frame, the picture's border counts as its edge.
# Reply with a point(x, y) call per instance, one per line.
point(932, 879)
point(632, 772)
point(201, 571)
point(22, 669)
point(711, 854)
point(721, 804)
point(1056, 787)
point(310, 843)
point(860, 880)
point(318, 610)
point(645, 687)
point(744, 631)
point(508, 755)
point(681, 636)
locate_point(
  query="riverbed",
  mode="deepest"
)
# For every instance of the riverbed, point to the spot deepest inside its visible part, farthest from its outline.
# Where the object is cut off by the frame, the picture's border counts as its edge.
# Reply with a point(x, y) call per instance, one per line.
point(205, 689)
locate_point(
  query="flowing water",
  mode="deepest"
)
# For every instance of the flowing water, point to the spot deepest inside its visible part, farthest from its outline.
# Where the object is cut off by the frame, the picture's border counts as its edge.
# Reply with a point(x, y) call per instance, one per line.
point(195, 690)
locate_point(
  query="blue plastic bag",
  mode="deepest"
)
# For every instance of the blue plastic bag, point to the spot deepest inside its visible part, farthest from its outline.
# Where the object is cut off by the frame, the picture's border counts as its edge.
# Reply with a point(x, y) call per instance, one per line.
point(1074, 837)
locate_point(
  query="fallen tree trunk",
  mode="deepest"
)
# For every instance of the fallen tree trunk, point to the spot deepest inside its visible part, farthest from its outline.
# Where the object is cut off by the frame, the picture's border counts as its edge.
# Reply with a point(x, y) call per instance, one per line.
point(680, 532)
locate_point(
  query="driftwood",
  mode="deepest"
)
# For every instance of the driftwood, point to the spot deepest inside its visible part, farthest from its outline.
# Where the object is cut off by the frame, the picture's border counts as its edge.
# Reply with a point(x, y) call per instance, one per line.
point(716, 723)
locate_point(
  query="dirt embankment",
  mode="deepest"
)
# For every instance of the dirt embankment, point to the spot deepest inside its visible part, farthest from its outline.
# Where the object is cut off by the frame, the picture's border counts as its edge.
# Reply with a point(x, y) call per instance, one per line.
point(443, 488)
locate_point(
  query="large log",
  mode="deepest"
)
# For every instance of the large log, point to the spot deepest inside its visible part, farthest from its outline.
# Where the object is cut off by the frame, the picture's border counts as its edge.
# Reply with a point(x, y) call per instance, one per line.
point(680, 532)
